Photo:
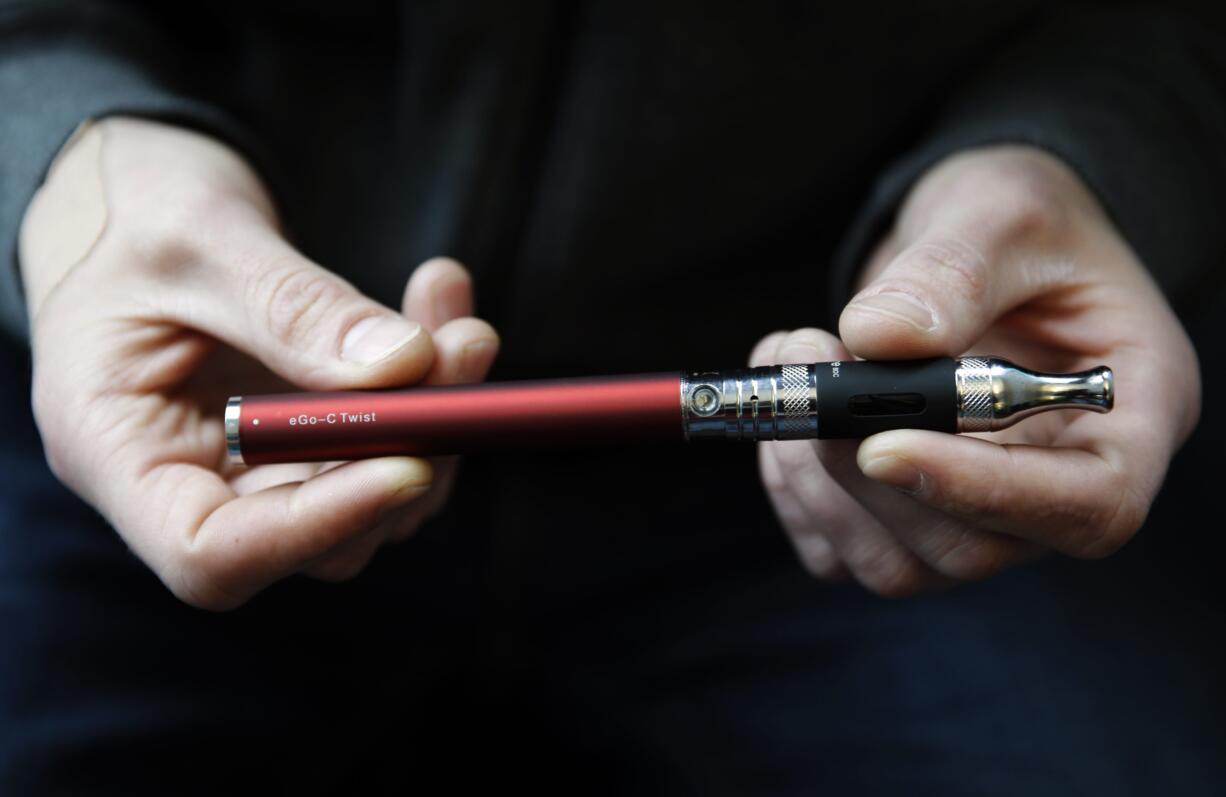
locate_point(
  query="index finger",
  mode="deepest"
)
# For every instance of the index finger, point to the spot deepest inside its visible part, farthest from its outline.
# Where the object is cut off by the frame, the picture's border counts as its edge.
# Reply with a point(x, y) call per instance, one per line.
point(1076, 501)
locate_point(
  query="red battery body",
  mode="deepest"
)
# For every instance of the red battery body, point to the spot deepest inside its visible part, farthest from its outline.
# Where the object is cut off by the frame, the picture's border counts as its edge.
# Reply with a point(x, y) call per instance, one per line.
point(458, 419)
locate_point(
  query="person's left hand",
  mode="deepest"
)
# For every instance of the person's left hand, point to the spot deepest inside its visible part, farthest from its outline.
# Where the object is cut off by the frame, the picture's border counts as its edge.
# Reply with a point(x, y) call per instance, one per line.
point(1000, 251)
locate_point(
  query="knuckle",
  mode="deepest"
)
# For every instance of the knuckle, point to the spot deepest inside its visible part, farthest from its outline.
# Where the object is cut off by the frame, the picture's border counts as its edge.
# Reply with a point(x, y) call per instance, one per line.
point(1110, 526)
point(294, 300)
point(1033, 195)
point(193, 205)
point(889, 573)
point(954, 264)
point(170, 235)
point(198, 583)
point(819, 560)
point(200, 573)
point(1034, 188)
point(820, 565)
point(989, 495)
point(971, 555)
point(903, 582)
point(169, 261)
point(174, 238)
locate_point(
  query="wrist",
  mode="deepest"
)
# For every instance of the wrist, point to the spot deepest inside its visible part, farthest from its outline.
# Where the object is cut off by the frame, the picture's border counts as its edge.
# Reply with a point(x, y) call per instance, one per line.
point(66, 217)
point(159, 188)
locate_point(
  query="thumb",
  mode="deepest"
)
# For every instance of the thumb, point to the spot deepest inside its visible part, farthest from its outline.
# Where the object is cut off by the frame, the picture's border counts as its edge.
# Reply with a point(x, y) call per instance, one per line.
point(315, 329)
point(941, 293)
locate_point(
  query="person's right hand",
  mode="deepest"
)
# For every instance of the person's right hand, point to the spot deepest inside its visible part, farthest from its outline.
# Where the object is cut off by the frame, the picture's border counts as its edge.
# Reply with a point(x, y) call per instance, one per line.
point(146, 248)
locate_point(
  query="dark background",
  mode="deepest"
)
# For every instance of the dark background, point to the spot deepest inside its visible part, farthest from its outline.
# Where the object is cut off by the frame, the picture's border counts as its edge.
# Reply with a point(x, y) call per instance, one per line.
point(636, 187)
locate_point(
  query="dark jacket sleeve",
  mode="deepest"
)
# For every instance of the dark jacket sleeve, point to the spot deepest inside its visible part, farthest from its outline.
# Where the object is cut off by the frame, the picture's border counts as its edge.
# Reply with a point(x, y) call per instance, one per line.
point(1134, 100)
point(60, 64)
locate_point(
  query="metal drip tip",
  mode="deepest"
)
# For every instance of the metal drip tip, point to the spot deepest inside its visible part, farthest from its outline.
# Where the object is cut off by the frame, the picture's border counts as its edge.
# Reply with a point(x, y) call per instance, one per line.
point(994, 393)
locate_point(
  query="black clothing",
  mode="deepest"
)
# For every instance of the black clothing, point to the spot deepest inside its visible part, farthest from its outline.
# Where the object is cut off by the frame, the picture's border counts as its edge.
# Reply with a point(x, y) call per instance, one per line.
point(615, 173)
point(587, 160)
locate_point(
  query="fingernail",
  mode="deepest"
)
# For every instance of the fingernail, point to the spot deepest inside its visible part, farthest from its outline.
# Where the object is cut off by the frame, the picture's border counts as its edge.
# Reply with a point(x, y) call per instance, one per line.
point(372, 339)
point(899, 305)
point(401, 498)
point(800, 353)
point(896, 473)
point(475, 359)
point(406, 478)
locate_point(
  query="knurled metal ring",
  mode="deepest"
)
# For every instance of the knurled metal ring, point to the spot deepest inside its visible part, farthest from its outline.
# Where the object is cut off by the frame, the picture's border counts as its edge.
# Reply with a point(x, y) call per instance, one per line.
point(975, 400)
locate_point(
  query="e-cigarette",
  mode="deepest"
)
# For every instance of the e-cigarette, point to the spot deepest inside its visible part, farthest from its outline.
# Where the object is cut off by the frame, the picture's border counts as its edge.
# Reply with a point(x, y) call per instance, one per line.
point(775, 402)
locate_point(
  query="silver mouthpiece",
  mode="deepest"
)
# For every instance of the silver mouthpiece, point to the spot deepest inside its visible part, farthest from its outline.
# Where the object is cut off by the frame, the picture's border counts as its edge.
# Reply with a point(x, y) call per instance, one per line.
point(995, 393)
